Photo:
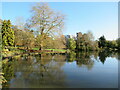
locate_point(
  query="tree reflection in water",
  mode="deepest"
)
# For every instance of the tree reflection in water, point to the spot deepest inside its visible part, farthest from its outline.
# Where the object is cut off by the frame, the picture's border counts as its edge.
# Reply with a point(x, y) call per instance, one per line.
point(71, 56)
point(8, 70)
point(37, 71)
point(118, 55)
point(87, 58)
point(104, 54)
point(45, 70)
point(84, 58)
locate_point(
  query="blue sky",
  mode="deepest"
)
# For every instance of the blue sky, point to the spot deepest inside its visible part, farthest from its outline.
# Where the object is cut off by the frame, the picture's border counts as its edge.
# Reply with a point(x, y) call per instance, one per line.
point(99, 17)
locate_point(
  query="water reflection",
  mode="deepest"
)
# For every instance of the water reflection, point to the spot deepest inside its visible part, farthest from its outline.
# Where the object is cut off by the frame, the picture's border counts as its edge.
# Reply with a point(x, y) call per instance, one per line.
point(35, 71)
point(46, 70)
point(71, 56)
point(8, 70)
point(85, 59)
point(105, 54)
point(118, 56)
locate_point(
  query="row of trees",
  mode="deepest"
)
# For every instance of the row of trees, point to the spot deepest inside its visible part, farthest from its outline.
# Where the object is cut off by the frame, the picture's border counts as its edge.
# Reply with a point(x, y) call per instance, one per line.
point(42, 30)
point(83, 42)
point(86, 42)
point(105, 44)
point(13, 36)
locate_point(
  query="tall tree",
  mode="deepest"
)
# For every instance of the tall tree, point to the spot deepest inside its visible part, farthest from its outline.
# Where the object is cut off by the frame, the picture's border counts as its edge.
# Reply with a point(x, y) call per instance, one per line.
point(86, 41)
point(7, 34)
point(4, 33)
point(0, 33)
point(79, 41)
point(11, 34)
point(46, 21)
point(102, 42)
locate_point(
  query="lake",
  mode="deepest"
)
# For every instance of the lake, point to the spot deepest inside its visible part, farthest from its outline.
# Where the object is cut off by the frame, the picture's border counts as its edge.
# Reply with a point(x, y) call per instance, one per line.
point(74, 70)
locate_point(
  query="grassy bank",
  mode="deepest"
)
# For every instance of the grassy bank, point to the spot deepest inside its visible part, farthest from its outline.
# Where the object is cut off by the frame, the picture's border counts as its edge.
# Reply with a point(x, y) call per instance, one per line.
point(12, 51)
point(59, 50)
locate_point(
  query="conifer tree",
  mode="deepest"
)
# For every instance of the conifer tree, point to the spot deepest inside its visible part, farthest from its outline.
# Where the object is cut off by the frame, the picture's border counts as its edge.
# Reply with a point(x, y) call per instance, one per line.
point(7, 34)
point(10, 34)
point(0, 34)
point(4, 33)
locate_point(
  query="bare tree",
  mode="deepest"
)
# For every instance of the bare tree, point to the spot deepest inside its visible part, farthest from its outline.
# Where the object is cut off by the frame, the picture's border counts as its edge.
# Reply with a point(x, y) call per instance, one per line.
point(45, 21)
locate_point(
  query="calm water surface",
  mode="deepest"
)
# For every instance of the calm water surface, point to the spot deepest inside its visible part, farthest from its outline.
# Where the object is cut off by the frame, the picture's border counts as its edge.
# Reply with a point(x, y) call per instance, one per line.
point(74, 70)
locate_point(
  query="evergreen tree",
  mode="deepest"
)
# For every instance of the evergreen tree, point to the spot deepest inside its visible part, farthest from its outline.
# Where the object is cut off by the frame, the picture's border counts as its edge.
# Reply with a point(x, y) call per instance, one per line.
point(0, 34)
point(11, 34)
point(7, 34)
point(4, 33)
point(102, 42)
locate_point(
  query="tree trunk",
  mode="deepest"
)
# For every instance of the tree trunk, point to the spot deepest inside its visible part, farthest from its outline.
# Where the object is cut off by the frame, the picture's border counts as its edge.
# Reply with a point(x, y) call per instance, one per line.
point(40, 47)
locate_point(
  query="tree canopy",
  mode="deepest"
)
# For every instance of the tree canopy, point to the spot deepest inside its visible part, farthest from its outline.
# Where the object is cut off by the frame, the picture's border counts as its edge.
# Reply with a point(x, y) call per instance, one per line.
point(45, 21)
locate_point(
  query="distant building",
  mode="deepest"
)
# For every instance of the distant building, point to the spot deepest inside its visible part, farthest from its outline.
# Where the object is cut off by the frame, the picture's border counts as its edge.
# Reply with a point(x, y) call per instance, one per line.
point(67, 36)
point(70, 36)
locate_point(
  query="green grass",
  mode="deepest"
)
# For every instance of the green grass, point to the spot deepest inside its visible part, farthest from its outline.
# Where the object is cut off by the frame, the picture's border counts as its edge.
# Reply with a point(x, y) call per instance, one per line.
point(11, 51)
point(61, 50)
point(35, 48)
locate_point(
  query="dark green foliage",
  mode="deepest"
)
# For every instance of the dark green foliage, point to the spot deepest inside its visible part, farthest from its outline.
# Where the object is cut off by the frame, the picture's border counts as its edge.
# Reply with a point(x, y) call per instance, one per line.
point(7, 34)
point(108, 45)
point(104, 54)
point(102, 42)
point(111, 44)
point(118, 43)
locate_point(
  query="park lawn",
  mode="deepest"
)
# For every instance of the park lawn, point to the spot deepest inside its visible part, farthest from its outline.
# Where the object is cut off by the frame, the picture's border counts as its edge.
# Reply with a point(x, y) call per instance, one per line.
point(11, 51)
point(35, 48)
point(59, 50)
